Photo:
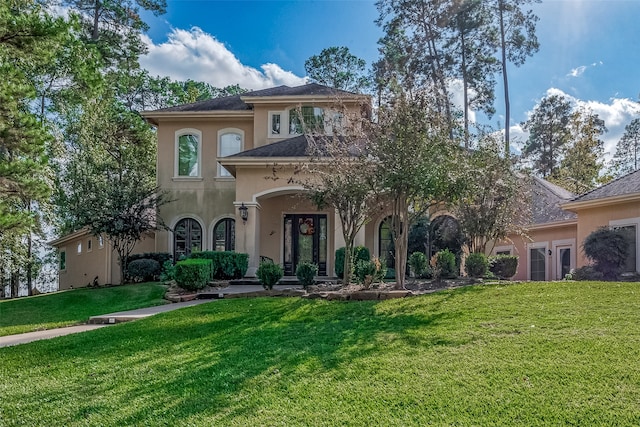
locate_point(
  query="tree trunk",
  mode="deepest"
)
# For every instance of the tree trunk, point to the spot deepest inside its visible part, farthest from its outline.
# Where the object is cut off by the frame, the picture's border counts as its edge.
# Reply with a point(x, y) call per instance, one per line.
point(465, 83)
point(505, 80)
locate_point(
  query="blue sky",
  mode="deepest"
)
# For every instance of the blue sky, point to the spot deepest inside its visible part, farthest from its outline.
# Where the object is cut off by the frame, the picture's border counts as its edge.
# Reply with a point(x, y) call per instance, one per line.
point(589, 49)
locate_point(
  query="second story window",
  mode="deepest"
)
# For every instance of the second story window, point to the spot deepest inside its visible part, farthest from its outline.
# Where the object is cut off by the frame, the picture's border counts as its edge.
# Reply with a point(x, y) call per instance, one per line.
point(306, 118)
point(274, 124)
point(229, 143)
point(188, 153)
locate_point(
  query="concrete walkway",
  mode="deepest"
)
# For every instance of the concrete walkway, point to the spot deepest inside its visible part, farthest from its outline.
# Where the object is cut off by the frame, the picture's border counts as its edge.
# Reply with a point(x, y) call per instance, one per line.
point(96, 322)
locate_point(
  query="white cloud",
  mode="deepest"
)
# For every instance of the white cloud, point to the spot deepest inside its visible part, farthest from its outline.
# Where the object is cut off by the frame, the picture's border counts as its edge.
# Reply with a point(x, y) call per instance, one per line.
point(194, 54)
point(617, 113)
point(576, 72)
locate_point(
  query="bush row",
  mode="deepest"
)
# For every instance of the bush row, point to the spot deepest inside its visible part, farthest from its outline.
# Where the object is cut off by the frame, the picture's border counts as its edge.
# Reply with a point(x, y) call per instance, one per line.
point(226, 264)
point(193, 274)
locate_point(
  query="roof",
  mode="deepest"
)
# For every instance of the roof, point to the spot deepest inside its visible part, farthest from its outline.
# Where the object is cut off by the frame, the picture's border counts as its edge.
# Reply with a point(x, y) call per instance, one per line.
point(625, 185)
point(291, 147)
point(242, 102)
point(546, 199)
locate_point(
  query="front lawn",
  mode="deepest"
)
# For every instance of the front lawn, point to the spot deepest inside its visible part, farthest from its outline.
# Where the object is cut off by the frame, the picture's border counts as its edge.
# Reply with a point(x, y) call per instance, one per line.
point(525, 354)
point(67, 308)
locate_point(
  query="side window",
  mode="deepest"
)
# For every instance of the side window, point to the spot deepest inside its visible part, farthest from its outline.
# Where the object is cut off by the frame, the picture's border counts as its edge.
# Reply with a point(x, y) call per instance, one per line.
point(62, 260)
point(229, 143)
point(188, 155)
point(89, 245)
point(224, 235)
point(79, 248)
point(275, 121)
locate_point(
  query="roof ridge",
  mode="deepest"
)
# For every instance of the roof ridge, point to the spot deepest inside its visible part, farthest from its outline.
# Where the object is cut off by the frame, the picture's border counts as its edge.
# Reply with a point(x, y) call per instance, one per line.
point(613, 181)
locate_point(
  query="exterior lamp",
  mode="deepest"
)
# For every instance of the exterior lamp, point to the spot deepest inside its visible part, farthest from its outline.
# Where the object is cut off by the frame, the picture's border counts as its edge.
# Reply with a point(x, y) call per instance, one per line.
point(244, 212)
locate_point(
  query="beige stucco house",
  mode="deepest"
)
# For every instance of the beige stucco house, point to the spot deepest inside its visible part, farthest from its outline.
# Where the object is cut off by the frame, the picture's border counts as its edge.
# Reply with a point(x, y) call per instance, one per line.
point(226, 163)
point(562, 220)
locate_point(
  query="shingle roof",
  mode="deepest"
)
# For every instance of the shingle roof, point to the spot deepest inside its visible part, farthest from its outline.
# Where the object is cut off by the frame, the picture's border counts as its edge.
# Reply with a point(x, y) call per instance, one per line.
point(546, 199)
point(292, 147)
point(235, 103)
point(627, 184)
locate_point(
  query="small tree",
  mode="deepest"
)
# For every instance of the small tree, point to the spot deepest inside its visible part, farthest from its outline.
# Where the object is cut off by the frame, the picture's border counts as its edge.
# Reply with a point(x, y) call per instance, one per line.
point(338, 68)
point(608, 248)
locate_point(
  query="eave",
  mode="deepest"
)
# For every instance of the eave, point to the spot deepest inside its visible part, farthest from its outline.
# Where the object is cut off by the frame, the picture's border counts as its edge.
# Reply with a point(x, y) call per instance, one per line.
point(231, 164)
point(156, 117)
point(595, 203)
point(297, 99)
point(69, 237)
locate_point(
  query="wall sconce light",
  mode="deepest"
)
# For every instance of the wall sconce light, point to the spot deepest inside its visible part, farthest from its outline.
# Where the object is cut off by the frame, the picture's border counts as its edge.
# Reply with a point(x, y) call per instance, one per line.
point(244, 212)
point(549, 252)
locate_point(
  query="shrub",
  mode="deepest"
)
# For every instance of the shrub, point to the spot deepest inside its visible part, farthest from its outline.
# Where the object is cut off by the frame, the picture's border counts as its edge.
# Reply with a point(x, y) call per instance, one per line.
point(368, 272)
point(269, 273)
point(476, 265)
point(419, 264)
point(443, 265)
point(503, 266)
point(306, 273)
point(586, 273)
point(226, 264)
point(168, 271)
point(359, 253)
point(161, 257)
point(193, 274)
point(143, 270)
point(608, 249)
point(391, 273)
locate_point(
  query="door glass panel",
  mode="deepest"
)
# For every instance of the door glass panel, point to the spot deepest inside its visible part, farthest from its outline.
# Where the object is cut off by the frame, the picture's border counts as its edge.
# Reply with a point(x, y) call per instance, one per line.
point(629, 233)
point(537, 260)
point(306, 229)
point(322, 255)
point(288, 246)
point(565, 262)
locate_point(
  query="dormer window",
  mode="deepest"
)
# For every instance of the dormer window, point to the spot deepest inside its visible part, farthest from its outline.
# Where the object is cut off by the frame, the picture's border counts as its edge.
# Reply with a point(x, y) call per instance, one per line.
point(306, 118)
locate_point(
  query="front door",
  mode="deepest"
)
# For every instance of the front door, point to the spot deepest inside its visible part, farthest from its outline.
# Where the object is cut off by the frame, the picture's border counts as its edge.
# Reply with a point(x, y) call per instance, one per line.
point(305, 240)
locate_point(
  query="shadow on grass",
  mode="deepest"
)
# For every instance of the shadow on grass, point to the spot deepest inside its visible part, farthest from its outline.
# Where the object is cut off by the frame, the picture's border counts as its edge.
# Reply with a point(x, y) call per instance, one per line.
point(200, 361)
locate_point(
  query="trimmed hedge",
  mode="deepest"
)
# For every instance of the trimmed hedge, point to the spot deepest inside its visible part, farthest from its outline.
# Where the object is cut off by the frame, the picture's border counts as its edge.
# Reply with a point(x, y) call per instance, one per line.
point(360, 253)
point(419, 264)
point(503, 266)
point(143, 270)
point(306, 273)
point(226, 264)
point(443, 265)
point(476, 265)
point(269, 274)
point(193, 274)
point(161, 257)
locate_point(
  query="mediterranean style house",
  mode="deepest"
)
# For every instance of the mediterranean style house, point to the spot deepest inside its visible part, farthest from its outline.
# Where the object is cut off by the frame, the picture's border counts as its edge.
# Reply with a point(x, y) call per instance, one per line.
point(218, 158)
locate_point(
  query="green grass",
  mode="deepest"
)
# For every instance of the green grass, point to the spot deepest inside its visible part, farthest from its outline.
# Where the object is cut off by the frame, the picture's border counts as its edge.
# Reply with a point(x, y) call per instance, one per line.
point(526, 354)
point(67, 308)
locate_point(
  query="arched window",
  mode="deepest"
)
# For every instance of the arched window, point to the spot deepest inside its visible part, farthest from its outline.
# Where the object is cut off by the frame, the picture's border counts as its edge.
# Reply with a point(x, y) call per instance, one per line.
point(187, 237)
point(385, 242)
point(229, 143)
point(188, 153)
point(224, 235)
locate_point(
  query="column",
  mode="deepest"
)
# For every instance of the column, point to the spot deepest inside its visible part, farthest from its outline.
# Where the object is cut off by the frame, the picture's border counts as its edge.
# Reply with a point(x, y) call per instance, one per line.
point(248, 234)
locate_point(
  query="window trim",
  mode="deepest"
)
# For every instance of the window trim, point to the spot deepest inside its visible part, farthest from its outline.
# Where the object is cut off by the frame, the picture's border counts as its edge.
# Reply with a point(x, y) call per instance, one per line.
point(503, 248)
point(626, 223)
point(283, 115)
point(538, 245)
point(221, 133)
point(176, 159)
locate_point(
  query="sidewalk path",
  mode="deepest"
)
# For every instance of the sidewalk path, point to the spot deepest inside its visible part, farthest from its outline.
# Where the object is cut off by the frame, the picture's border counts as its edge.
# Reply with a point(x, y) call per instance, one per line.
point(96, 322)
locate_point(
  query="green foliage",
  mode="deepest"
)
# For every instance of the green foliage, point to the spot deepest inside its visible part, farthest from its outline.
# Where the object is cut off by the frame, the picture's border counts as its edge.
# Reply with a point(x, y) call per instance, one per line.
point(161, 257)
point(226, 264)
point(419, 236)
point(443, 265)
point(476, 264)
point(586, 273)
point(419, 264)
point(193, 274)
point(143, 270)
point(368, 272)
point(338, 68)
point(627, 156)
point(168, 272)
point(503, 266)
point(359, 253)
point(269, 274)
point(608, 248)
point(306, 272)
